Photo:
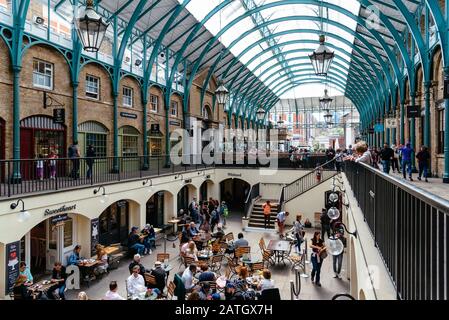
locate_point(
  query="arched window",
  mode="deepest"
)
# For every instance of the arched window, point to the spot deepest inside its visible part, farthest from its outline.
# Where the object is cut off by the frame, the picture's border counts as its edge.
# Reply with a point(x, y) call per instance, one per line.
point(129, 141)
point(95, 134)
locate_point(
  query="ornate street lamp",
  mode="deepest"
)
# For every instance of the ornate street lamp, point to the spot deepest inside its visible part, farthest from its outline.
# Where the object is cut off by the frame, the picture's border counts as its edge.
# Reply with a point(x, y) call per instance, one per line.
point(322, 58)
point(325, 101)
point(328, 118)
point(91, 28)
point(222, 94)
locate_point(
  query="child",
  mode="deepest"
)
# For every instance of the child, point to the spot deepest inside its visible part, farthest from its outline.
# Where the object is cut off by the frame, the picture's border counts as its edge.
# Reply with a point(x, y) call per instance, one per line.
point(40, 167)
point(319, 171)
point(52, 164)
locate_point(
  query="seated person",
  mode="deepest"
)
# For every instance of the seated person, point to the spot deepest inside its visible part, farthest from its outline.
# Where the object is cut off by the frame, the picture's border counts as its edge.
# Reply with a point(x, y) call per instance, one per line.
point(240, 242)
point(136, 262)
point(266, 283)
point(232, 294)
point(20, 290)
point(192, 251)
point(240, 283)
point(74, 258)
point(159, 273)
point(59, 277)
point(24, 270)
point(150, 240)
point(193, 229)
point(112, 293)
point(205, 292)
point(219, 235)
point(187, 277)
point(135, 241)
point(135, 282)
point(206, 275)
point(186, 236)
point(102, 257)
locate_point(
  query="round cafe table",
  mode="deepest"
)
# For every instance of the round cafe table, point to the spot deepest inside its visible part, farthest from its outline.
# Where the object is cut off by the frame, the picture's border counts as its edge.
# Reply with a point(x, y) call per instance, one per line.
point(221, 282)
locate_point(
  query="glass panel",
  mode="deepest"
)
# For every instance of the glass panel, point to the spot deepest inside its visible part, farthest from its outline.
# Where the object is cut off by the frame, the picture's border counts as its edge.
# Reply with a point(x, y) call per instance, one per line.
point(127, 97)
point(154, 103)
point(52, 237)
point(47, 141)
point(42, 74)
point(98, 141)
point(68, 233)
point(92, 84)
point(129, 146)
point(155, 147)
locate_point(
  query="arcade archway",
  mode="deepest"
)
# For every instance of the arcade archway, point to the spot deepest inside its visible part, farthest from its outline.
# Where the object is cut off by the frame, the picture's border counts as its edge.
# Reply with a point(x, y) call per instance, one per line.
point(234, 192)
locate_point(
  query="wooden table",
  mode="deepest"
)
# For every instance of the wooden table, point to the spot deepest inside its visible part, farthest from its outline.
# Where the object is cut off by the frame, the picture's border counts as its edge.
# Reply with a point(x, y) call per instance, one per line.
point(41, 286)
point(87, 270)
point(174, 223)
point(279, 248)
point(111, 250)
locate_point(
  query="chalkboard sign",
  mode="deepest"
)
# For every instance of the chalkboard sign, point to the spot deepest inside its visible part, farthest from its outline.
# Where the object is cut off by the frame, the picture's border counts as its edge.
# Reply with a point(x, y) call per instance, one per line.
point(155, 128)
point(94, 234)
point(12, 265)
point(59, 116)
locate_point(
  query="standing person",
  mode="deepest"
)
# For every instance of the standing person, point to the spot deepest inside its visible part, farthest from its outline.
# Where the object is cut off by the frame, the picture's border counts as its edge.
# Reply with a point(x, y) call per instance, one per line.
point(281, 217)
point(267, 213)
point(224, 212)
point(318, 172)
point(59, 276)
point(337, 261)
point(317, 245)
point(40, 167)
point(387, 156)
point(325, 224)
point(74, 156)
point(339, 160)
point(395, 161)
point(330, 154)
point(362, 153)
point(214, 219)
point(298, 230)
point(407, 152)
point(52, 164)
point(90, 154)
point(423, 157)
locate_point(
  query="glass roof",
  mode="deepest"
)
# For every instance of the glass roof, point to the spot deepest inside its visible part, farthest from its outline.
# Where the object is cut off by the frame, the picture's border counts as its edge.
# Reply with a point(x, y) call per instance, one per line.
point(291, 57)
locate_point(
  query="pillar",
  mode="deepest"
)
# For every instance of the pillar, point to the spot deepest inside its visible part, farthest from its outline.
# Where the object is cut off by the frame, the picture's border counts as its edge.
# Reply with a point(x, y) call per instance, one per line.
point(402, 123)
point(16, 178)
point(145, 165)
point(446, 132)
point(115, 167)
point(75, 112)
point(413, 132)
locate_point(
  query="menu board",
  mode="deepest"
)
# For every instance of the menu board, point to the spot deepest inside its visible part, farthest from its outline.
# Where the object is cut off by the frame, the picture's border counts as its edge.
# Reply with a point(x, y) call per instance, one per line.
point(12, 265)
point(94, 234)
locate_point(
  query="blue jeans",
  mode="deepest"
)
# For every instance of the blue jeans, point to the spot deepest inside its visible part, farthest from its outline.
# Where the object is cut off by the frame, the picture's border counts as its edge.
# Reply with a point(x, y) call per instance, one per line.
point(337, 262)
point(138, 247)
point(316, 271)
point(149, 243)
point(407, 164)
point(423, 168)
point(386, 166)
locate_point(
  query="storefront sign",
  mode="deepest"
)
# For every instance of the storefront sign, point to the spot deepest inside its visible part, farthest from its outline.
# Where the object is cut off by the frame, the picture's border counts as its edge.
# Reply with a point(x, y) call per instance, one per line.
point(234, 175)
point(59, 116)
point(64, 208)
point(155, 128)
point(175, 123)
point(128, 115)
point(12, 265)
point(391, 123)
point(94, 234)
point(413, 111)
point(59, 219)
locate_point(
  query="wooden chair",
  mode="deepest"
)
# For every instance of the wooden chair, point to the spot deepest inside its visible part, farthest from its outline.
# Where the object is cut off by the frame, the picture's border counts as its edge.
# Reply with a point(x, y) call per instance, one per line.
point(162, 257)
point(267, 257)
point(262, 245)
point(216, 248)
point(150, 280)
point(259, 266)
point(188, 261)
point(171, 290)
point(233, 267)
point(227, 272)
point(229, 237)
point(215, 263)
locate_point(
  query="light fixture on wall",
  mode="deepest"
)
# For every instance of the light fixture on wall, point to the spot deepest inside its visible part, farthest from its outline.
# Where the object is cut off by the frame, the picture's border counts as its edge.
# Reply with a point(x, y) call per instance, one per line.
point(333, 213)
point(333, 197)
point(180, 177)
point(23, 214)
point(341, 227)
point(91, 28)
point(148, 182)
point(335, 246)
point(104, 196)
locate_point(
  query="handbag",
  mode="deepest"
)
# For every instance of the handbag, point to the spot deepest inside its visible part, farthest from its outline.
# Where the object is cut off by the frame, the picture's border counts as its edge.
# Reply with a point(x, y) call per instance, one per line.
point(323, 254)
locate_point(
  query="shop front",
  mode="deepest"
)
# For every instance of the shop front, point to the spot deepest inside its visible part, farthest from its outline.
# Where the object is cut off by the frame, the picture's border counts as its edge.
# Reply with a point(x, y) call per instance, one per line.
point(155, 141)
point(155, 209)
point(114, 224)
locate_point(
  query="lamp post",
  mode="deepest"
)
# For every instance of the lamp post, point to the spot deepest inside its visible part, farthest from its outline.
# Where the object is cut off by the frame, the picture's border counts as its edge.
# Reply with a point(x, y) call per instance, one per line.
point(322, 58)
point(91, 28)
point(222, 95)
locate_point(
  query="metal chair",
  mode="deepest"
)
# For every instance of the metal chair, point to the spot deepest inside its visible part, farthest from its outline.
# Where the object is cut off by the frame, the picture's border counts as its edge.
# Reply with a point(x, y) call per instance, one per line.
point(162, 257)
point(215, 263)
point(267, 257)
point(229, 237)
point(233, 267)
point(171, 290)
point(262, 245)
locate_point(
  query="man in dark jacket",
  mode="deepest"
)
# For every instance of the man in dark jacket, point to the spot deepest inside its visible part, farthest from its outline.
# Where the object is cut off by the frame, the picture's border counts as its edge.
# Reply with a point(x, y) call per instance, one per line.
point(159, 273)
point(136, 262)
point(325, 224)
point(90, 155)
point(423, 157)
point(386, 155)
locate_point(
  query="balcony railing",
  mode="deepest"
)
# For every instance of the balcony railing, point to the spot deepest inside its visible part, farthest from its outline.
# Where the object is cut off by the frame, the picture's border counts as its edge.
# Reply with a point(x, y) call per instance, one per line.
point(410, 228)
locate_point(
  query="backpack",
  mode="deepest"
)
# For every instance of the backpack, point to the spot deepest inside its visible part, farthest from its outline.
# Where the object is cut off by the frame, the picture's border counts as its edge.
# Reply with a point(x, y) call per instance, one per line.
point(225, 212)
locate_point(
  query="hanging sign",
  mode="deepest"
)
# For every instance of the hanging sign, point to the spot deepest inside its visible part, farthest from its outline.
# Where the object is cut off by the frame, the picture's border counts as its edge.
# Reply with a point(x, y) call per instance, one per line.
point(413, 111)
point(12, 265)
point(94, 234)
point(59, 116)
point(379, 128)
point(391, 123)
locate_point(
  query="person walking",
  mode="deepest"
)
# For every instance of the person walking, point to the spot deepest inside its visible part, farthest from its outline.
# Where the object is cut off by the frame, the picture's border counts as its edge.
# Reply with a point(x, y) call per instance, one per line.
point(298, 230)
point(90, 154)
point(407, 152)
point(337, 261)
point(74, 155)
point(325, 224)
point(318, 254)
point(387, 156)
point(423, 157)
point(395, 161)
point(281, 218)
point(339, 160)
point(267, 213)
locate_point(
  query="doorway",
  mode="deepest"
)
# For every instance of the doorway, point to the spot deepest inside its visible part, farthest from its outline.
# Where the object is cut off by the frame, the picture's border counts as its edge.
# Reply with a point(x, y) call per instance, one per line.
point(155, 209)
point(114, 223)
point(234, 192)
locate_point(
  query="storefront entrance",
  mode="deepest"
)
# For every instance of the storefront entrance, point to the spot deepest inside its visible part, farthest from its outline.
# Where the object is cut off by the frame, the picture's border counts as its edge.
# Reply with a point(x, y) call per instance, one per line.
point(114, 223)
point(234, 192)
point(155, 209)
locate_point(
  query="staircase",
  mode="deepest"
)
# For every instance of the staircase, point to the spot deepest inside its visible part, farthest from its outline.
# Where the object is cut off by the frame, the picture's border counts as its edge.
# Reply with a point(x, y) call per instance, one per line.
point(308, 182)
point(257, 218)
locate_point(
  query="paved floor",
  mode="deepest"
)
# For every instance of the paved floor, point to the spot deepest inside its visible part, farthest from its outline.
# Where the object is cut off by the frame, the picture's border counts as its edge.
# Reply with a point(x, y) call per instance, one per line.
point(281, 274)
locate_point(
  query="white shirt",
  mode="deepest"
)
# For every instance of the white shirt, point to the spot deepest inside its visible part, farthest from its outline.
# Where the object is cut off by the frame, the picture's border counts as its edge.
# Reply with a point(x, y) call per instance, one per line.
point(281, 216)
point(365, 158)
point(111, 295)
point(136, 285)
point(266, 284)
point(187, 278)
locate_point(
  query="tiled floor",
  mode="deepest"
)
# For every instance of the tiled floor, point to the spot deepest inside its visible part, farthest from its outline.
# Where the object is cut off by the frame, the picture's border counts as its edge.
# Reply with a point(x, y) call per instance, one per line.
point(281, 274)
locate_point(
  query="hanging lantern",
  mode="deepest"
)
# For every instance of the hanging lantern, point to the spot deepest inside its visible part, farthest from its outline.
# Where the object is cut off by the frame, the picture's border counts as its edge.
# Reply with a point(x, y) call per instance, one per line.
point(322, 58)
point(222, 94)
point(325, 101)
point(328, 118)
point(333, 197)
point(333, 213)
point(260, 114)
point(91, 28)
point(335, 246)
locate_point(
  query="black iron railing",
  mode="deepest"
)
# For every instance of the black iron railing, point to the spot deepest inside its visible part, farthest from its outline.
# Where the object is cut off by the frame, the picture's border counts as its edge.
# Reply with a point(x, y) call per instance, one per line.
point(309, 181)
point(253, 194)
point(410, 228)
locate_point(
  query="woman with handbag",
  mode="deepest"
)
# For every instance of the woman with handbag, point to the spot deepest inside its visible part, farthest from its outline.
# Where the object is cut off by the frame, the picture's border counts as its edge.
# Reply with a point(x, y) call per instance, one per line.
point(319, 253)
